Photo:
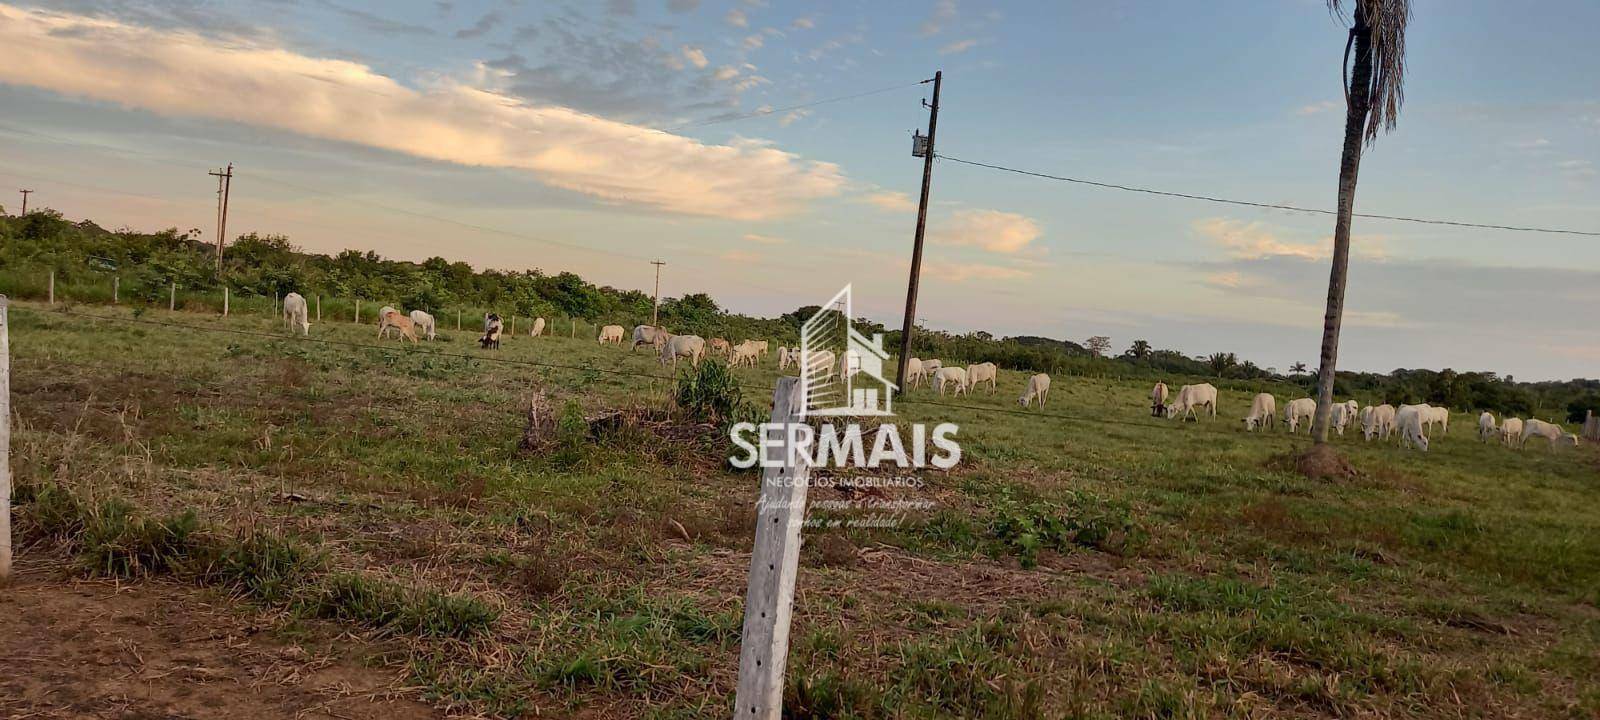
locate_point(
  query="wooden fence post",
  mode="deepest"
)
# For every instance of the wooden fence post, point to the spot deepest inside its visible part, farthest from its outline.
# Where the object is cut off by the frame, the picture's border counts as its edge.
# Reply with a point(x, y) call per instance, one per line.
point(52, 290)
point(319, 308)
point(574, 327)
point(1591, 426)
point(5, 440)
point(116, 289)
point(774, 562)
point(224, 300)
point(172, 297)
point(356, 318)
point(513, 325)
point(458, 319)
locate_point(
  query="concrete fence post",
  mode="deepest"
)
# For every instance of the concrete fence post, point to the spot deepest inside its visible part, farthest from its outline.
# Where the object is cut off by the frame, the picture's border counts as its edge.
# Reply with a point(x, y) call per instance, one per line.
point(774, 563)
point(224, 300)
point(458, 319)
point(51, 293)
point(116, 289)
point(172, 296)
point(356, 317)
point(319, 308)
point(5, 439)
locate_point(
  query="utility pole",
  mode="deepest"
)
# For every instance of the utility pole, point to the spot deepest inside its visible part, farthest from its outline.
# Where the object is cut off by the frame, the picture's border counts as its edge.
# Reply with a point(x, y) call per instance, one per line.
point(923, 148)
point(224, 184)
point(655, 310)
point(25, 194)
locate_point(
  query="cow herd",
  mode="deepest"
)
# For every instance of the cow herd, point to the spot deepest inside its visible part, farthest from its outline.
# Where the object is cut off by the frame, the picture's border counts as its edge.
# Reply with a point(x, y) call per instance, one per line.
point(1411, 423)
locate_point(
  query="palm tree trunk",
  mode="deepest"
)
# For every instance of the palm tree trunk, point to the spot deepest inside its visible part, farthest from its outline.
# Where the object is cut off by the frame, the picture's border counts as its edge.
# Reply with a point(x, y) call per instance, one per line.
point(1355, 122)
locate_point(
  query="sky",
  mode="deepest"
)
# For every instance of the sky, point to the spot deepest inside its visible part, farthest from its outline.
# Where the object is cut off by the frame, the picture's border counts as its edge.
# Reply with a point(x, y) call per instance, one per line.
point(762, 149)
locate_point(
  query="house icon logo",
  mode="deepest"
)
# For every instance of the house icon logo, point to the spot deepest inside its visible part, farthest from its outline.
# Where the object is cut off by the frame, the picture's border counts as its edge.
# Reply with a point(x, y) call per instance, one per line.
point(841, 371)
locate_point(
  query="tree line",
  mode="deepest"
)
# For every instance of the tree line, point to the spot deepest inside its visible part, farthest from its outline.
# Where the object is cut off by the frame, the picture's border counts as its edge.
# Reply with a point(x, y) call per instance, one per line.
point(148, 263)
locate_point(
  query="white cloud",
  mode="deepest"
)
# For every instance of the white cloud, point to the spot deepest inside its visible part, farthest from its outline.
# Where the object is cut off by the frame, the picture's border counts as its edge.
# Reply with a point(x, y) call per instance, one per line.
point(962, 272)
point(1577, 168)
point(726, 72)
point(993, 230)
point(737, 18)
point(764, 239)
point(943, 12)
point(179, 73)
point(803, 23)
point(695, 56)
point(753, 42)
point(959, 46)
point(1249, 241)
point(792, 117)
point(1317, 108)
point(890, 201)
point(1530, 144)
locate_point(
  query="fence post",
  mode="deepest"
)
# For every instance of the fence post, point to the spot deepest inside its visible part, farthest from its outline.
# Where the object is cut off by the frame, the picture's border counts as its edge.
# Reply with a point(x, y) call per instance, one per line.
point(274, 302)
point(5, 440)
point(574, 327)
point(116, 289)
point(458, 319)
point(356, 318)
point(1591, 426)
point(52, 290)
point(513, 326)
point(319, 308)
point(224, 300)
point(774, 561)
point(172, 297)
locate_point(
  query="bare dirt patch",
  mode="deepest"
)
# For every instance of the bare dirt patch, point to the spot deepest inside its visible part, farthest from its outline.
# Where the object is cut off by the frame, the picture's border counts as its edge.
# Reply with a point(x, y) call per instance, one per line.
point(90, 649)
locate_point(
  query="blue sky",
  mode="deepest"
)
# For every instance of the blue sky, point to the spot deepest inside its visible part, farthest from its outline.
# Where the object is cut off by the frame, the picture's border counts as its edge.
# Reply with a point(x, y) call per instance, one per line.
point(529, 134)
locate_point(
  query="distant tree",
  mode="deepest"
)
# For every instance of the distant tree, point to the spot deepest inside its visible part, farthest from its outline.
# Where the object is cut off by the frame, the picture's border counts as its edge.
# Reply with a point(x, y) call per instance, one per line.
point(1299, 368)
point(1221, 363)
point(1098, 345)
point(1139, 350)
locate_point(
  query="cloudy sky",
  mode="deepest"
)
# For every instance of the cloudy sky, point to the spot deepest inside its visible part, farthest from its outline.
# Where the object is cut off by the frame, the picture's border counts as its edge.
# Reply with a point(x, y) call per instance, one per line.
point(762, 149)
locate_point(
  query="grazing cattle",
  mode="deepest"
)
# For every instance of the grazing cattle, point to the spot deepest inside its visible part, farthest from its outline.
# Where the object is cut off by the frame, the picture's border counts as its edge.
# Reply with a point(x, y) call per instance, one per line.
point(1440, 415)
point(677, 346)
point(818, 365)
point(1158, 399)
point(914, 372)
point(981, 372)
point(538, 327)
point(1263, 412)
point(931, 366)
point(1193, 396)
point(759, 345)
point(294, 314)
point(491, 332)
point(1339, 416)
point(1486, 427)
point(611, 334)
point(424, 323)
point(787, 357)
point(1377, 421)
point(1038, 387)
point(1410, 421)
point(719, 346)
point(647, 335)
point(745, 353)
point(382, 329)
point(1296, 410)
point(1511, 432)
point(1549, 431)
point(403, 326)
point(951, 375)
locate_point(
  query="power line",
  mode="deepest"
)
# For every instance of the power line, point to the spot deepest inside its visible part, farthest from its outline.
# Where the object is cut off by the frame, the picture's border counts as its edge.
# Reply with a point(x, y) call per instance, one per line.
point(1268, 206)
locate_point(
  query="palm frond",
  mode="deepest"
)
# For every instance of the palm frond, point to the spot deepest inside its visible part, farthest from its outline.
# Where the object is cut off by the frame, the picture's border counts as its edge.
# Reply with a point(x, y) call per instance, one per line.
point(1386, 21)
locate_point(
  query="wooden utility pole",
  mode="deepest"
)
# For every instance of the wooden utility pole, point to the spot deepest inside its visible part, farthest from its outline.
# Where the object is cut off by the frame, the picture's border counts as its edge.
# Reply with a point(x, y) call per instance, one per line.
point(25, 194)
point(925, 146)
point(224, 184)
point(655, 308)
point(5, 440)
point(774, 566)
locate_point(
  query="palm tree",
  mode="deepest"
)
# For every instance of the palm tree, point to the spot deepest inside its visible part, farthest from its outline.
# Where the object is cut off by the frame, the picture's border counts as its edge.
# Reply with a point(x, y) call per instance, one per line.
point(1299, 368)
point(1372, 101)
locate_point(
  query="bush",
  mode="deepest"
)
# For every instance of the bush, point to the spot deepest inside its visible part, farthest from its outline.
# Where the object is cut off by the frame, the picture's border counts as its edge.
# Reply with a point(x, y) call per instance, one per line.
point(709, 392)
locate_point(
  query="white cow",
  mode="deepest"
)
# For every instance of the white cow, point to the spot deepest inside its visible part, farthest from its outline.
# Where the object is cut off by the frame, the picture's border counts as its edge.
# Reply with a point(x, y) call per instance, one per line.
point(1038, 387)
point(1158, 394)
point(676, 346)
point(951, 375)
point(914, 372)
point(383, 329)
point(1339, 416)
point(611, 334)
point(1191, 397)
point(1263, 412)
point(981, 372)
point(538, 327)
point(1548, 431)
point(745, 353)
point(1486, 427)
point(424, 323)
point(1511, 432)
point(931, 366)
point(1303, 408)
point(819, 364)
point(1377, 421)
point(294, 314)
point(759, 345)
point(647, 335)
point(787, 357)
point(1440, 415)
point(1410, 421)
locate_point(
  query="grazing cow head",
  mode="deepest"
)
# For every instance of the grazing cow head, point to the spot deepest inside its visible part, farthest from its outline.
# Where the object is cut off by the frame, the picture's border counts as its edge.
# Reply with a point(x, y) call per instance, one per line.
point(1250, 423)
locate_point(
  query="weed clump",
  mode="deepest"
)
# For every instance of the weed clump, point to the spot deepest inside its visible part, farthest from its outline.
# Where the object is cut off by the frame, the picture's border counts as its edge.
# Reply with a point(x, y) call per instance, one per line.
point(384, 605)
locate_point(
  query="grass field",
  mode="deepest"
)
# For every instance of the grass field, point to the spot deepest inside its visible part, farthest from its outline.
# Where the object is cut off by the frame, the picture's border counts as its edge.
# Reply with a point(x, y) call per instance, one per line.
point(1071, 567)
